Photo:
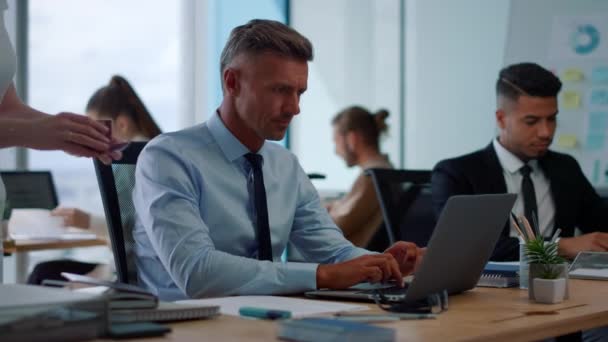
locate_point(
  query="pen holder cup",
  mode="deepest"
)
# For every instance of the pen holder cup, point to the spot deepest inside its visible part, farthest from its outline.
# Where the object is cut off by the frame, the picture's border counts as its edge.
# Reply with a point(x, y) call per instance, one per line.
point(524, 266)
point(536, 270)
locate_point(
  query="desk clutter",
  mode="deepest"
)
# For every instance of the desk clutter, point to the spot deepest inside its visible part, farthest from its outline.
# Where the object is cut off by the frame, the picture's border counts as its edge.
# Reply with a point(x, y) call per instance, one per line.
point(38, 313)
point(500, 274)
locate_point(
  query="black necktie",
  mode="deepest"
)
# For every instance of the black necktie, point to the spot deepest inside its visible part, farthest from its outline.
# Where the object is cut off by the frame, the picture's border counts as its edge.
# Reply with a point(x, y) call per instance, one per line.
point(261, 207)
point(527, 190)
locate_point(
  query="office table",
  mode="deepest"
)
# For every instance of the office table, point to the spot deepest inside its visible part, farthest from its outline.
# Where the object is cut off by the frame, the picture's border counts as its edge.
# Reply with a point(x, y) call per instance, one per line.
point(482, 314)
point(21, 248)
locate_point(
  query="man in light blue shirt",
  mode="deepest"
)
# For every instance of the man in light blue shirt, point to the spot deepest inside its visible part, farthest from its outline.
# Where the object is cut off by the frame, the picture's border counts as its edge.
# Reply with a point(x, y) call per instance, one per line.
point(217, 204)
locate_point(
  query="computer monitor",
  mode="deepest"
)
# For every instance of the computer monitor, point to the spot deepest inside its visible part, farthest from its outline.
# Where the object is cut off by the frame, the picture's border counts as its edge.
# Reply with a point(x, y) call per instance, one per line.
point(30, 189)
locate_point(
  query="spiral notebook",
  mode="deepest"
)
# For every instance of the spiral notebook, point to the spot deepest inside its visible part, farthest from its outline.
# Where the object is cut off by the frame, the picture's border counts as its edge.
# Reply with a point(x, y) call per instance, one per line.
point(166, 311)
point(496, 278)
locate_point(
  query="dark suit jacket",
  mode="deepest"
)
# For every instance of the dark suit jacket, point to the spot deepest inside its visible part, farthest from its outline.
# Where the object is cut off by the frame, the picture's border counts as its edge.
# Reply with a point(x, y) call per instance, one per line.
point(576, 202)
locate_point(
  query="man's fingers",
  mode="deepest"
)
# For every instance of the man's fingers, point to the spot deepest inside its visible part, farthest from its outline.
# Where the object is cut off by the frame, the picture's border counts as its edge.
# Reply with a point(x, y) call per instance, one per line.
point(387, 264)
point(79, 150)
point(373, 274)
point(87, 141)
point(395, 271)
point(85, 120)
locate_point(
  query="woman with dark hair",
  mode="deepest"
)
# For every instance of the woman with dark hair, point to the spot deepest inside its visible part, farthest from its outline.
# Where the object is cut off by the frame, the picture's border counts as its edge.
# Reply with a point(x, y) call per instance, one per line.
point(131, 121)
point(357, 135)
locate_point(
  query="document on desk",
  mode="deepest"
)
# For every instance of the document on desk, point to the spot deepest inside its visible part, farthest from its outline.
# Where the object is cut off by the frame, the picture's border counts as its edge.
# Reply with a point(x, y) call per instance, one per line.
point(38, 224)
point(297, 306)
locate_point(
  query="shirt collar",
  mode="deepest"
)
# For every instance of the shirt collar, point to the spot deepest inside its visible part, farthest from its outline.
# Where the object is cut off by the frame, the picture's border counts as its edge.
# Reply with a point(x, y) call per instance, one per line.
point(232, 148)
point(509, 161)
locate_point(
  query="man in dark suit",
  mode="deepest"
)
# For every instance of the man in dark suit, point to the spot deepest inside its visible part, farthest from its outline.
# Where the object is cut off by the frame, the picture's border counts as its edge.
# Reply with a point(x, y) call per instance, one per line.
point(551, 186)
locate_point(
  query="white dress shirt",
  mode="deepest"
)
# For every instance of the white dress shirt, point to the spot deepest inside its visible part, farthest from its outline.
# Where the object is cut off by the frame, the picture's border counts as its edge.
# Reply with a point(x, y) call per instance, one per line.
point(511, 165)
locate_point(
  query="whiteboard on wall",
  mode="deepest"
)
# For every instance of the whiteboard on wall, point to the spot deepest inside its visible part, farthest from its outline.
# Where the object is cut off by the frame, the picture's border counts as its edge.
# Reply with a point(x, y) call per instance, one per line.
point(570, 38)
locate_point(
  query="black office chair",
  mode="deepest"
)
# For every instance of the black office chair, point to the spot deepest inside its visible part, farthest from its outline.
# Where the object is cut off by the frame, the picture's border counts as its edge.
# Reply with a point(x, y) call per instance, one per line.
point(116, 182)
point(405, 200)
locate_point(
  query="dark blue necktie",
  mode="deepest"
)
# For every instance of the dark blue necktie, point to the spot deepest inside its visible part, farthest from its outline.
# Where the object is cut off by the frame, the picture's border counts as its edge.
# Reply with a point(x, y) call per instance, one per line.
point(261, 207)
point(527, 190)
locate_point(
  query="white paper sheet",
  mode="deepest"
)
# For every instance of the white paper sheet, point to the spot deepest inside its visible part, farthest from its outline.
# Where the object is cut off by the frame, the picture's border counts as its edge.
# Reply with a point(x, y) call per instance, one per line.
point(297, 306)
point(38, 224)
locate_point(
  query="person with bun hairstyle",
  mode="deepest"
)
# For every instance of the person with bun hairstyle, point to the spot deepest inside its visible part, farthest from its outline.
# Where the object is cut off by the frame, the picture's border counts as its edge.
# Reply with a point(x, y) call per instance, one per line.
point(131, 121)
point(357, 135)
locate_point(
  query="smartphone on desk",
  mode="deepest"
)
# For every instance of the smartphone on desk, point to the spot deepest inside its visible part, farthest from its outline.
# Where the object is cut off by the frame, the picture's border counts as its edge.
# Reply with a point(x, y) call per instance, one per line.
point(137, 329)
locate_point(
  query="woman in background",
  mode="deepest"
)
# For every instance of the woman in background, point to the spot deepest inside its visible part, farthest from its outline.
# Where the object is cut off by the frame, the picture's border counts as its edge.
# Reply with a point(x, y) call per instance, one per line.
point(131, 121)
point(357, 135)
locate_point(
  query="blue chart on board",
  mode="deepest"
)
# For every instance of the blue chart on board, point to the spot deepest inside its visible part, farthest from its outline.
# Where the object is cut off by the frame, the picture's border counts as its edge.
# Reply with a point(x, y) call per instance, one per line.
point(585, 39)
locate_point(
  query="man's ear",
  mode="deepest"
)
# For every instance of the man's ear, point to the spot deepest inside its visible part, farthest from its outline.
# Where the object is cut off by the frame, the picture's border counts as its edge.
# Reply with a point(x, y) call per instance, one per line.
point(501, 118)
point(351, 139)
point(231, 81)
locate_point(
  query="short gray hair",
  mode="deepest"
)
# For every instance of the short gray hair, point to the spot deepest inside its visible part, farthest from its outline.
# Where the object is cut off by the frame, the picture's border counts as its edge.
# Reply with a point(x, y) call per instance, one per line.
point(259, 35)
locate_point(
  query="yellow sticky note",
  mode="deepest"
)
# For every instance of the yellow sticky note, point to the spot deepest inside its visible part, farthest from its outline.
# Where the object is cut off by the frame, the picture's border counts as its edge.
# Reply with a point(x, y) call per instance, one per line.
point(573, 75)
point(571, 100)
point(567, 141)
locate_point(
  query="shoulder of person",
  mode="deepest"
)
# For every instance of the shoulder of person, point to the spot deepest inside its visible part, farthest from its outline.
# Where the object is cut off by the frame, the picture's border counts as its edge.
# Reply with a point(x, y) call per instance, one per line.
point(464, 161)
point(560, 162)
point(192, 137)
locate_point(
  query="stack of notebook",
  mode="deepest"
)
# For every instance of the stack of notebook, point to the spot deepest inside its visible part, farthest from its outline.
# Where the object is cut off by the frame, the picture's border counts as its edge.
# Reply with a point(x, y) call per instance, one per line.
point(500, 274)
point(129, 303)
point(327, 329)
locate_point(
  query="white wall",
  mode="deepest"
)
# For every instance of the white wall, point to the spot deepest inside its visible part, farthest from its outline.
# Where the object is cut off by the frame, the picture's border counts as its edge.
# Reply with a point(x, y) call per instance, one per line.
point(454, 50)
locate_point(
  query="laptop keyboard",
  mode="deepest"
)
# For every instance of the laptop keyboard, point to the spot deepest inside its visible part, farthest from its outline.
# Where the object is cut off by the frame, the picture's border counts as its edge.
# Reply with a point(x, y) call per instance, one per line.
point(393, 290)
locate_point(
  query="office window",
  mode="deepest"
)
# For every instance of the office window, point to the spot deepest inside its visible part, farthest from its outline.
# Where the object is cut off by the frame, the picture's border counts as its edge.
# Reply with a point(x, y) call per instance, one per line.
point(357, 62)
point(75, 47)
point(222, 17)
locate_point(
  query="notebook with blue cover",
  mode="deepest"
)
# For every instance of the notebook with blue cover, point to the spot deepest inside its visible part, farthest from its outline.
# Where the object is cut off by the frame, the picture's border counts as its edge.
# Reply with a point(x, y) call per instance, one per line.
point(327, 329)
point(500, 274)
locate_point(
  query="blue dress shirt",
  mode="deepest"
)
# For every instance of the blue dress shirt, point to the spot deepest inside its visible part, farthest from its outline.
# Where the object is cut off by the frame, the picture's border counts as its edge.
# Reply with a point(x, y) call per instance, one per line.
point(195, 233)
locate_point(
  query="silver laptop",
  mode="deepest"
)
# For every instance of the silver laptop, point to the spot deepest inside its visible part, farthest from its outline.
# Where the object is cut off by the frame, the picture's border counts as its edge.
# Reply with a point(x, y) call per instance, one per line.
point(461, 245)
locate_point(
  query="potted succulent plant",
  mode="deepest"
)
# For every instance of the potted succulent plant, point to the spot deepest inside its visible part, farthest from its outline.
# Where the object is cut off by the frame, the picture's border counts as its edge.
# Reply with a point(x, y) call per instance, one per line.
point(548, 278)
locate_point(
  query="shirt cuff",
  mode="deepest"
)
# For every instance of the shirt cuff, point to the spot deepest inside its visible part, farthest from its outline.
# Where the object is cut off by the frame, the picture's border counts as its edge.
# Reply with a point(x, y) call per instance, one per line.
point(301, 276)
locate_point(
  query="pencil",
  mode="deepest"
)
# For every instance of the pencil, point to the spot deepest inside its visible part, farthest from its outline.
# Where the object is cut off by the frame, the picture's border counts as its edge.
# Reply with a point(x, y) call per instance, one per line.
point(516, 226)
point(528, 227)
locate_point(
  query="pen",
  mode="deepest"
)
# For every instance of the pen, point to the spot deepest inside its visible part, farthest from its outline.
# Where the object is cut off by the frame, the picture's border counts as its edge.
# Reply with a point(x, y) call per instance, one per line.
point(386, 316)
point(555, 235)
point(248, 311)
point(535, 223)
point(368, 319)
point(517, 228)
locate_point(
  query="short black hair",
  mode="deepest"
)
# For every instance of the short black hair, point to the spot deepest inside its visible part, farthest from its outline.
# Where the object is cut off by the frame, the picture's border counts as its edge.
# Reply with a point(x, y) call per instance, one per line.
point(528, 79)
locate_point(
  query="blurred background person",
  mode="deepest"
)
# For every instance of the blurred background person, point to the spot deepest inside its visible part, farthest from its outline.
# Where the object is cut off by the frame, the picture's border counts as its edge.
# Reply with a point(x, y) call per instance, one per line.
point(356, 134)
point(131, 121)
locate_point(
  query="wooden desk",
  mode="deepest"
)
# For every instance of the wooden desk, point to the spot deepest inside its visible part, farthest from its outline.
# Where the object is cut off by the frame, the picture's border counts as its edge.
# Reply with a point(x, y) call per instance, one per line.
point(476, 315)
point(21, 248)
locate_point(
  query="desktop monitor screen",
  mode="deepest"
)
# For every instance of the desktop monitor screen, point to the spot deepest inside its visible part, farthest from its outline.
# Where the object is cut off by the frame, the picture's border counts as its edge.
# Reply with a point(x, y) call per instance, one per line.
point(30, 189)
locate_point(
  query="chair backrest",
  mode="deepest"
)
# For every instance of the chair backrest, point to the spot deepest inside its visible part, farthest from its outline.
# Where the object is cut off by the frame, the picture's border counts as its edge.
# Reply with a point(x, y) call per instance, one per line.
point(116, 183)
point(405, 200)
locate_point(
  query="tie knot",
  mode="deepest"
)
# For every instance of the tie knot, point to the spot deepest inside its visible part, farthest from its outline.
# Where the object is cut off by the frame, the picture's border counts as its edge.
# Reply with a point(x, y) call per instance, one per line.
point(255, 160)
point(526, 170)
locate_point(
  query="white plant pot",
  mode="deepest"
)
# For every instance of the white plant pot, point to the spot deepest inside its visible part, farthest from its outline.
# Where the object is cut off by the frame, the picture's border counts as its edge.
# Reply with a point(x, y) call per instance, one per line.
point(549, 291)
